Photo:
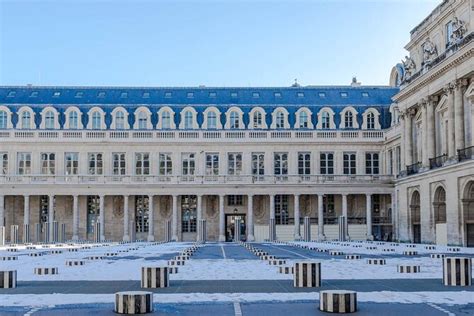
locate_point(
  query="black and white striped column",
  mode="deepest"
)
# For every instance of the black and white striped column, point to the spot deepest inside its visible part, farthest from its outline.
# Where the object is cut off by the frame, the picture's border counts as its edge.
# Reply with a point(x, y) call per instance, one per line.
point(133, 302)
point(62, 233)
point(2, 235)
point(237, 230)
point(55, 232)
point(155, 277)
point(342, 228)
point(408, 268)
point(307, 228)
point(307, 274)
point(46, 232)
point(272, 230)
point(46, 271)
point(38, 232)
point(202, 230)
point(14, 239)
point(457, 271)
point(97, 232)
point(133, 231)
point(338, 301)
point(168, 231)
point(8, 279)
point(26, 233)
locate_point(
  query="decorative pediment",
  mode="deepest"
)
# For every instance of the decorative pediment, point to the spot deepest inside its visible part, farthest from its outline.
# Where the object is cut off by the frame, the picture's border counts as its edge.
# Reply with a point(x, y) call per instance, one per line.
point(443, 104)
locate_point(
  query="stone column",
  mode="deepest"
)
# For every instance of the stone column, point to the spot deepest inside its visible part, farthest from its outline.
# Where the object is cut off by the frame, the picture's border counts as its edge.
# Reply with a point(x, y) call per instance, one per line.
point(408, 139)
point(102, 217)
point(126, 220)
point(402, 143)
point(344, 213)
point(250, 230)
point(198, 213)
point(297, 233)
point(459, 115)
point(26, 210)
point(368, 212)
point(75, 217)
point(272, 206)
point(51, 217)
point(151, 218)
point(221, 218)
point(2, 210)
point(430, 120)
point(320, 217)
point(174, 218)
point(394, 216)
point(451, 139)
point(424, 152)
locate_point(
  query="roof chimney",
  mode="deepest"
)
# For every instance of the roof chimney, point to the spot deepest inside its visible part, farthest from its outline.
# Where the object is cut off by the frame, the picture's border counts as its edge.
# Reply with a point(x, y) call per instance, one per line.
point(354, 82)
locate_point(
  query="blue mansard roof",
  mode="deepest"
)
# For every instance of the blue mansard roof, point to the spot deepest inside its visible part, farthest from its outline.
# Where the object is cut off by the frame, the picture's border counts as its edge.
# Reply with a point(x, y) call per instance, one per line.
point(291, 98)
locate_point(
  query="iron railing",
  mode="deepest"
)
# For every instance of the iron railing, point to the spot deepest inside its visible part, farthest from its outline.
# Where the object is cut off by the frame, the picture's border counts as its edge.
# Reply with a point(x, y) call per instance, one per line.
point(438, 161)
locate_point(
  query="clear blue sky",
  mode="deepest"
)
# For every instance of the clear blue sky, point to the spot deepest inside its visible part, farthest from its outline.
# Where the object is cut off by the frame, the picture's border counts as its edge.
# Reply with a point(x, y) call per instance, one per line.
point(213, 43)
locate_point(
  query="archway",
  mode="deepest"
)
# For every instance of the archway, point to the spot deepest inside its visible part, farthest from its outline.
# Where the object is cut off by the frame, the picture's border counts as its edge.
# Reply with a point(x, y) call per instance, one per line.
point(439, 215)
point(468, 210)
point(415, 217)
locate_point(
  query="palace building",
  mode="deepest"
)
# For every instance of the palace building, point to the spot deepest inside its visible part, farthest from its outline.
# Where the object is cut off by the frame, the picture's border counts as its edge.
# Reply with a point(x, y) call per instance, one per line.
point(375, 162)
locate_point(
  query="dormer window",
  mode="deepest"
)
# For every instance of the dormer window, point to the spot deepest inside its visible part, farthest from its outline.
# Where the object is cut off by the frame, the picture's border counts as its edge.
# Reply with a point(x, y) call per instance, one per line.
point(79, 94)
point(325, 120)
point(101, 95)
point(146, 95)
point(234, 95)
point(255, 95)
point(11, 94)
point(190, 95)
point(168, 95)
point(212, 94)
point(370, 121)
point(56, 94)
point(277, 94)
point(343, 94)
point(34, 94)
point(123, 95)
point(322, 94)
point(365, 94)
point(300, 95)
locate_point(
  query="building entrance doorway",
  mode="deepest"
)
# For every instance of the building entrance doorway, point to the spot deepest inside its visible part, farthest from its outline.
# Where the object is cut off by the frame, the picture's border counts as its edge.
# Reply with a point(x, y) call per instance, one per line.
point(470, 235)
point(230, 228)
point(416, 233)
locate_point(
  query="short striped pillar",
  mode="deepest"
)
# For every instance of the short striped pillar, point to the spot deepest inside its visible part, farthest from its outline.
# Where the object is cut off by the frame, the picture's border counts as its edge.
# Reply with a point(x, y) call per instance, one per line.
point(46, 271)
point(376, 261)
point(168, 231)
point(38, 232)
point(55, 232)
point(73, 263)
point(62, 232)
point(457, 271)
point(307, 274)
point(410, 252)
point(46, 232)
point(97, 232)
point(202, 230)
point(408, 268)
point(237, 229)
point(173, 270)
point(26, 233)
point(155, 277)
point(286, 270)
point(133, 302)
point(336, 253)
point(14, 234)
point(2, 235)
point(272, 230)
point(8, 258)
point(307, 228)
point(338, 301)
point(353, 257)
point(342, 228)
point(8, 279)
point(437, 255)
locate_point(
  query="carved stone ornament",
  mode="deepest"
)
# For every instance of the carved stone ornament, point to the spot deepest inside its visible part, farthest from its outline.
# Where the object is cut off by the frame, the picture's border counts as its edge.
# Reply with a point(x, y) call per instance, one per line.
point(459, 29)
point(430, 52)
point(409, 68)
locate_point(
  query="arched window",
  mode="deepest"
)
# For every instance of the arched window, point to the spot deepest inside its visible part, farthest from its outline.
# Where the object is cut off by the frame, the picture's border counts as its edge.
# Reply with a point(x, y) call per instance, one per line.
point(304, 123)
point(188, 120)
point(370, 121)
point(96, 120)
point(49, 120)
point(439, 206)
point(257, 119)
point(120, 120)
point(142, 120)
point(325, 120)
point(415, 216)
point(73, 120)
point(234, 120)
point(280, 120)
point(3, 120)
point(26, 120)
point(348, 119)
point(166, 120)
point(211, 120)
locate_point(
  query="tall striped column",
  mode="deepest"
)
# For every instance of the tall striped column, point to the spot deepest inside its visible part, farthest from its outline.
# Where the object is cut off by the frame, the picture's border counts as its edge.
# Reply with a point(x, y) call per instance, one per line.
point(97, 233)
point(168, 231)
point(457, 271)
point(307, 228)
point(199, 217)
point(151, 219)
point(102, 217)
point(342, 228)
point(26, 233)
point(14, 234)
point(202, 230)
point(55, 232)
point(126, 224)
point(26, 219)
point(272, 230)
point(38, 232)
point(307, 274)
point(75, 217)
point(2, 235)
point(237, 230)
point(46, 235)
point(133, 231)
point(62, 233)
point(50, 217)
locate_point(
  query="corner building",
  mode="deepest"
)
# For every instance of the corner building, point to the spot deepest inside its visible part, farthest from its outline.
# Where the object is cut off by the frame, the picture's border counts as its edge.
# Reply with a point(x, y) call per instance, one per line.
point(119, 163)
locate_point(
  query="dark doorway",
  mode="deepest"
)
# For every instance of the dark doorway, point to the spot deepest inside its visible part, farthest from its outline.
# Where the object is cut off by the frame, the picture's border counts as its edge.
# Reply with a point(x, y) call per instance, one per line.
point(229, 226)
point(417, 233)
point(470, 235)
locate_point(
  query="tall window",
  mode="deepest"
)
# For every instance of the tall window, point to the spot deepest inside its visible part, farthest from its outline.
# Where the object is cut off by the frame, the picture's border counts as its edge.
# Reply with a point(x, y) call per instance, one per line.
point(304, 163)
point(119, 120)
point(304, 122)
point(26, 120)
point(118, 164)
point(235, 200)
point(3, 163)
point(166, 120)
point(280, 120)
point(390, 161)
point(142, 120)
point(24, 163)
point(328, 209)
point(257, 119)
point(73, 120)
point(166, 164)
point(372, 163)
point(325, 120)
point(371, 121)
point(49, 120)
point(96, 118)
point(234, 164)
point(142, 164)
point(96, 164)
point(44, 210)
point(71, 162)
point(258, 165)
point(281, 209)
point(348, 119)
point(93, 210)
point(188, 164)
point(234, 120)
point(3, 120)
point(326, 163)
point(189, 214)
point(349, 163)
point(212, 164)
point(142, 211)
point(211, 120)
point(449, 32)
point(48, 163)
point(280, 165)
point(188, 120)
